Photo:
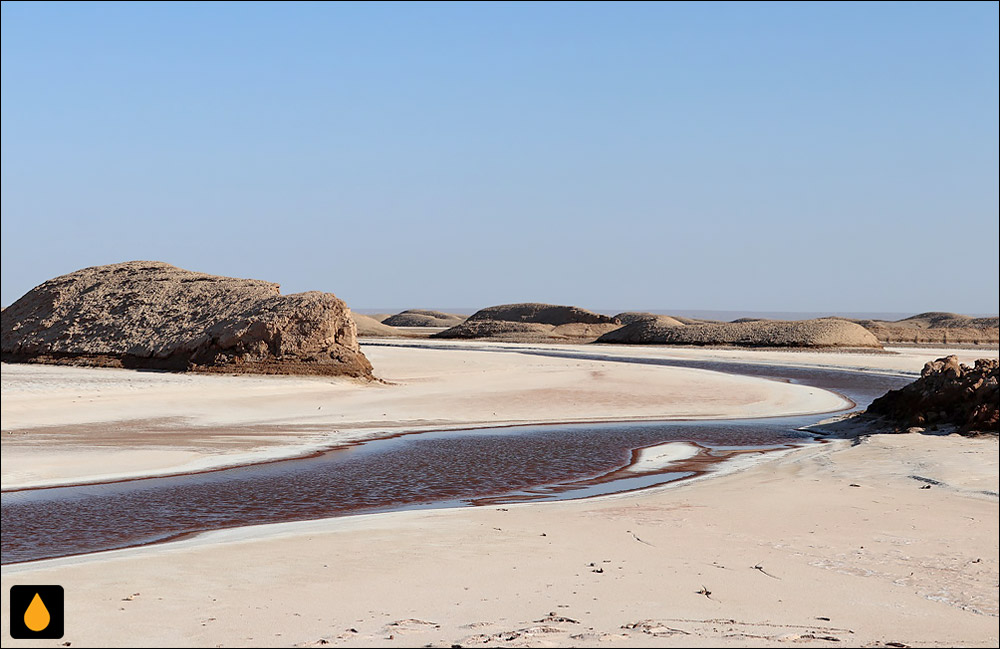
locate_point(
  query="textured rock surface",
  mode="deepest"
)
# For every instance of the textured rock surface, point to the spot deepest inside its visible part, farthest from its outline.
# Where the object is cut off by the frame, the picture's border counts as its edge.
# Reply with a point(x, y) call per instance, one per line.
point(628, 317)
point(153, 315)
point(936, 328)
point(423, 318)
point(533, 322)
point(757, 333)
point(551, 314)
point(947, 393)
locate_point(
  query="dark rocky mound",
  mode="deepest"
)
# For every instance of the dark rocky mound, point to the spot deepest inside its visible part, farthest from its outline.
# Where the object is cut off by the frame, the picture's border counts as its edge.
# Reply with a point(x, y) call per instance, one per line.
point(758, 333)
point(532, 322)
point(423, 318)
point(628, 317)
point(942, 320)
point(936, 328)
point(495, 328)
point(947, 393)
point(641, 330)
point(550, 314)
point(148, 314)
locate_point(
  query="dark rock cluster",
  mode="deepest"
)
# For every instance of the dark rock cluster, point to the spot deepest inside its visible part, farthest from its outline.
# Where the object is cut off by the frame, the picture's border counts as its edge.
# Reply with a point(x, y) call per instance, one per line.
point(947, 393)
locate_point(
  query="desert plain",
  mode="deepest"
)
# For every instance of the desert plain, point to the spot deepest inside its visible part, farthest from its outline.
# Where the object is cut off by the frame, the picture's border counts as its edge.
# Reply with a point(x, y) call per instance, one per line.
point(833, 544)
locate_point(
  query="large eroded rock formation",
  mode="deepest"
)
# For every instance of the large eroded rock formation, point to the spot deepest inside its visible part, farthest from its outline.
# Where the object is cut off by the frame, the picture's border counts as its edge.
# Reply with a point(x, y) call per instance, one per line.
point(150, 314)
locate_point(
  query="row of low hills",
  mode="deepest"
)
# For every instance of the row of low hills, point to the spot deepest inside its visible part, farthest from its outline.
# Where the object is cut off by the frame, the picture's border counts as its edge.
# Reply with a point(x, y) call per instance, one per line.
point(154, 315)
point(534, 322)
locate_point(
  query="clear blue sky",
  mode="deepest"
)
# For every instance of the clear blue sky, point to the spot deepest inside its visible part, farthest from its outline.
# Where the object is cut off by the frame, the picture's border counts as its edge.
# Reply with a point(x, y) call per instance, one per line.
point(794, 157)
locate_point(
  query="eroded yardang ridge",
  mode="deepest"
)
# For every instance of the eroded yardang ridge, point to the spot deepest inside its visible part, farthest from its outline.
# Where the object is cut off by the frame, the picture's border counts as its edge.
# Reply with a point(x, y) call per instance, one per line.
point(150, 314)
point(753, 333)
point(533, 322)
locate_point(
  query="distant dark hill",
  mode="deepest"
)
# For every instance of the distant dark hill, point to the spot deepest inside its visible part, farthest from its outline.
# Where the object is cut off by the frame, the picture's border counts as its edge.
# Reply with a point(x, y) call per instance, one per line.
point(551, 314)
point(756, 333)
point(423, 318)
point(936, 327)
point(942, 320)
point(533, 322)
point(628, 317)
point(369, 327)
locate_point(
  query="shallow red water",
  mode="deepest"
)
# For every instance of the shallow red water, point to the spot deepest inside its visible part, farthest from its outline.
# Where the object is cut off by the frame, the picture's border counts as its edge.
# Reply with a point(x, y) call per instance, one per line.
point(433, 469)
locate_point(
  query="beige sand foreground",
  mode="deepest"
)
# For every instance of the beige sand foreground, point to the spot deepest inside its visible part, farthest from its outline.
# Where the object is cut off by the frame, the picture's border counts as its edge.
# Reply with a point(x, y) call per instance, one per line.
point(789, 550)
point(830, 545)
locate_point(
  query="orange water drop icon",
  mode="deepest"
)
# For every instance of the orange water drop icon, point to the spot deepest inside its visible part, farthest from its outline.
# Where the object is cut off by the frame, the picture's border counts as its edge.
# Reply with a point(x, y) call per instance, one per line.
point(36, 617)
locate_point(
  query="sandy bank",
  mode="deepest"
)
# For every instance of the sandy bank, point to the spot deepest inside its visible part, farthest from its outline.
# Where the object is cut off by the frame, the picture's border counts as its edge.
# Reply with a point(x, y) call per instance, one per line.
point(69, 424)
point(835, 543)
point(897, 360)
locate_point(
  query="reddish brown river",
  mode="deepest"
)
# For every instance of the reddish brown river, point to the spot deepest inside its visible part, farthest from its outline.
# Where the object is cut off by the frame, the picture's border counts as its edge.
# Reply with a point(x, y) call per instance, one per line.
point(455, 468)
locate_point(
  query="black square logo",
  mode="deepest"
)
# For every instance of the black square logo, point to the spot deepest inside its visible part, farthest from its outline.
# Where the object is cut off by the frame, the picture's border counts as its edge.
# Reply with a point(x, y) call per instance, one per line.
point(36, 612)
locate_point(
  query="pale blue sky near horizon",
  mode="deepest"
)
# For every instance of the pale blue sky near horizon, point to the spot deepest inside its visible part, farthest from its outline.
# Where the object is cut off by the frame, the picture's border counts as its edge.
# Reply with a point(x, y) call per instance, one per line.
point(818, 157)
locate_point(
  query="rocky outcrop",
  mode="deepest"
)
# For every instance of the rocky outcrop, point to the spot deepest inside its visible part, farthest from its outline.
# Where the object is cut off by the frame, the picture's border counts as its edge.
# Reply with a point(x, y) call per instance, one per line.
point(947, 393)
point(148, 314)
point(533, 322)
point(936, 328)
point(757, 333)
point(423, 318)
